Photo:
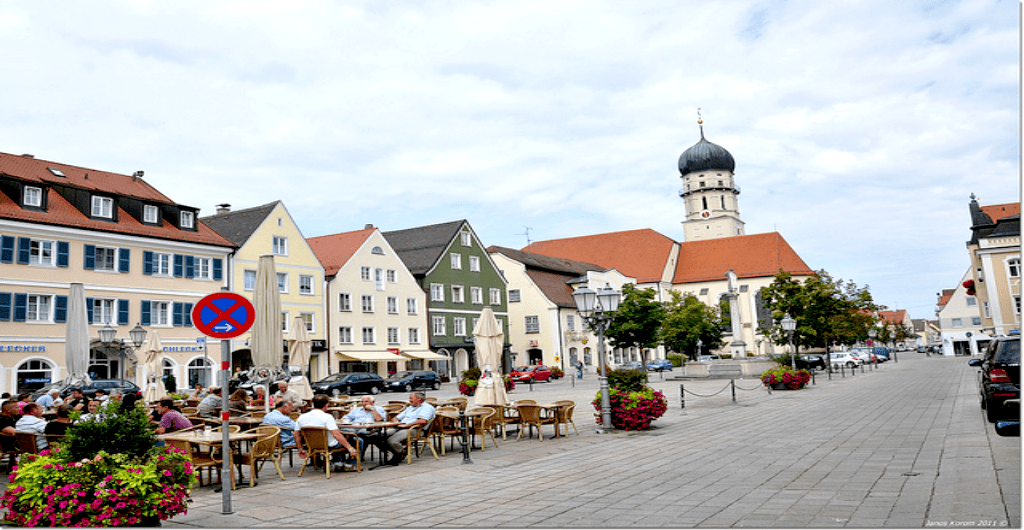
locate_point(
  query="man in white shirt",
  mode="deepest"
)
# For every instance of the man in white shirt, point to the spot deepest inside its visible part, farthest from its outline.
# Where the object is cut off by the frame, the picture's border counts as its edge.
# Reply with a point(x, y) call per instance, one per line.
point(283, 393)
point(32, 421)
point(318, 417)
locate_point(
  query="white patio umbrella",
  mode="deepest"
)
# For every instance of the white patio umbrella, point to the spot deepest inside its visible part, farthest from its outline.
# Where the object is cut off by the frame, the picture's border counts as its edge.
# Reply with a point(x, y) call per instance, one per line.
point(76, 339)
point(266, 328)
point(489, 341)
point(299, 347)
point(153, 352)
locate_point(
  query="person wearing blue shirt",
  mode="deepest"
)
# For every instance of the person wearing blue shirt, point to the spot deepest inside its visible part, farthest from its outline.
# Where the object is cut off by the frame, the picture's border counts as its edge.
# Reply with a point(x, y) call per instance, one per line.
point(279, 418)
point(419, 412)
point(49, 399)
point(366, 412)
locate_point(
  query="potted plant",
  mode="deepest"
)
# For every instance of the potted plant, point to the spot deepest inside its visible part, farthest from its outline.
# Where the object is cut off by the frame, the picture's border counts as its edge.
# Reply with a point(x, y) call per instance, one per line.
point(634, 405)
point(468, 380)
point(557, 373)
point(783, 378)
point(107, 472)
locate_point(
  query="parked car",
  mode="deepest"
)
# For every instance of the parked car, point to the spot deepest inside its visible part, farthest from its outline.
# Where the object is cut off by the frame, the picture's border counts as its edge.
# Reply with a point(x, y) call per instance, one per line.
point(124, 386)
point(814, 361)
point(409, 380)
point(999, 378)
point(535, 372)
point(349, 383)
point(882, 353)
point(866, 355)
point(706, 358)
point(845, 358)
point(633, 365)
point(922, 349)
point(660, 365)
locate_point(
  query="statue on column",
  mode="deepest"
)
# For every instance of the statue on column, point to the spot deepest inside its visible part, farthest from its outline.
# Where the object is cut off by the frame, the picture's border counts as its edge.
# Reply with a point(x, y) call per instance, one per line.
point(738, 348)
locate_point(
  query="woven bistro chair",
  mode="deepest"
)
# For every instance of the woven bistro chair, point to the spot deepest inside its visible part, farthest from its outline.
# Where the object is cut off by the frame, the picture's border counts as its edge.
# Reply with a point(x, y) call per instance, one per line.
point(446, 423)
point(315, 441)
point(564, 416)
point(529, 416)
point(419, 437)
point(392, 410)
point(26, 442)
point(199, 461)
point(265, 448)
point(460, 402)
point(499, 420)
point(482, 426)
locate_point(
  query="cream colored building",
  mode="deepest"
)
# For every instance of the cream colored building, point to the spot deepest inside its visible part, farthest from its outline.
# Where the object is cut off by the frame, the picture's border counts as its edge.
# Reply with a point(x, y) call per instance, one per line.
point(995, 265)
point(270, 230)
point(963, 332)
point(377, 312)
point(143, 260)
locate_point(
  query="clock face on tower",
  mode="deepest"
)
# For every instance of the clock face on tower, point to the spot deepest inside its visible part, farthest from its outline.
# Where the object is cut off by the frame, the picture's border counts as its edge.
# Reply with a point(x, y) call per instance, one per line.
point(705, 214)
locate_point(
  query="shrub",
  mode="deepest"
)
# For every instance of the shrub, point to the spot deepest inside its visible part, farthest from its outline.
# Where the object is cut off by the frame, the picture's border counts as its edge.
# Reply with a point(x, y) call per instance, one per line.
point(467, 387)
point(677, 360)
point(470, 373)
point(786, 376)
point(786, 360)
point(111, 430)
point(632, 411)
point(628, 380)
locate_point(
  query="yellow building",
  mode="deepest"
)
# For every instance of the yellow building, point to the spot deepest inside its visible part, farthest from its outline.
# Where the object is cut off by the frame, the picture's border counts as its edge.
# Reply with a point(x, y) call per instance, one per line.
point(270, 230)
point(995, 265)
point(142, 258)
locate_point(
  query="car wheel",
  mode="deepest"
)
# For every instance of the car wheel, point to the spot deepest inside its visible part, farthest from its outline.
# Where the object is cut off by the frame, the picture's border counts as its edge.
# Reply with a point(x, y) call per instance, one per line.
point(374, 390)
point(851, 364)
point(408, 387)
point(437, 385)
point(991, 411)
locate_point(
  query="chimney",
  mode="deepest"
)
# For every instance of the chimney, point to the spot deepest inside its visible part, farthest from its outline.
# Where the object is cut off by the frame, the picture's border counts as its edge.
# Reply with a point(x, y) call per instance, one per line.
point(223, 208)
point(26, 155)
point(137, 175)
point(368, 226)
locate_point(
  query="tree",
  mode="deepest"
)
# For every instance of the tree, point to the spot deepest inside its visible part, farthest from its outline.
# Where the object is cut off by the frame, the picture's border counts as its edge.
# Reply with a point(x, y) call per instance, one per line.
point(688, 320)
point(637, 321)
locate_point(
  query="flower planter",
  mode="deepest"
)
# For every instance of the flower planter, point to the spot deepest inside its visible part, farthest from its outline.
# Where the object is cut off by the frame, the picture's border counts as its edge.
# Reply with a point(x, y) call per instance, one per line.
point(784, 386)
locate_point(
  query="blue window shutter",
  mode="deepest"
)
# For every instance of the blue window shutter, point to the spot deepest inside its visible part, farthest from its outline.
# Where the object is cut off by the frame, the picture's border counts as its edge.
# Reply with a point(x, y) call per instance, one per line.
point(122, 312)
point(218, 269)
point(179, 265)
point(63, 253)
point(89, 302)
point(124, 260)
point(20, 307)
point(147, 262)
point(6, 249)
point(190, 266)
point(188, 314)
point(23, 250)
point(5, 306)
point(145, 313)
point(178, 318)
point(60, 309)
point(90, 257)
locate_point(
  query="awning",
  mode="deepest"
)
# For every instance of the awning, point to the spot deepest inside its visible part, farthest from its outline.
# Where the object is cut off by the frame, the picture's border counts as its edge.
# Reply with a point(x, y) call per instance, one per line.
point(426, 355)
point(370, 356)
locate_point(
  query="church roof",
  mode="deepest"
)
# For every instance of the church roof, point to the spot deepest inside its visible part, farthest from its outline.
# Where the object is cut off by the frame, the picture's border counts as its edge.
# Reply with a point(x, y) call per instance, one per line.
point(998, 211)
point(705, 155)
point(641, 254)
point(750, 256)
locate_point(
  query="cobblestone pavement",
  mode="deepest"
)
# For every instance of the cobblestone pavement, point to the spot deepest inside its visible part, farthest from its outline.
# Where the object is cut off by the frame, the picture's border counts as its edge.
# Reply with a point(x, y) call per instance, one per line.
point(905, 445)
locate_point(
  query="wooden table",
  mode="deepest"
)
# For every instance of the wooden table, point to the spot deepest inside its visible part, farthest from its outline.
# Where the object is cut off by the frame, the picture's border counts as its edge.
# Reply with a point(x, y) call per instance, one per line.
point(471, 418)
point(213, 440)
point(555, 411)
point(244, 421)
point(378, 426)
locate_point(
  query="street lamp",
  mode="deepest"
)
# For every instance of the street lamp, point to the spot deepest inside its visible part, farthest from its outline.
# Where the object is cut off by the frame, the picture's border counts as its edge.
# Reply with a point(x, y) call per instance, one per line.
point(137, 334)
point(597, 308)
point(789, 326)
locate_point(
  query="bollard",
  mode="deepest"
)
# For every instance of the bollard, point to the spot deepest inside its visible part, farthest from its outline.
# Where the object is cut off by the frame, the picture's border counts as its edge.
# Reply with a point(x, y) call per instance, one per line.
point(862, 368)
point(465, 438)
point(572, 377)
point(853, 369)
point(531, 384)
point(813, 382)
point(682, 395)
point(732, 383)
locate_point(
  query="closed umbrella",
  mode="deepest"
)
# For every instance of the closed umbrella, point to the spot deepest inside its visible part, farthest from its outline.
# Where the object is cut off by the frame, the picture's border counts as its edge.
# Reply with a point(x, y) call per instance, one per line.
point(299, 347)
point(76, 340)
point(489, 341)
point(266, 329)
point(152, 352)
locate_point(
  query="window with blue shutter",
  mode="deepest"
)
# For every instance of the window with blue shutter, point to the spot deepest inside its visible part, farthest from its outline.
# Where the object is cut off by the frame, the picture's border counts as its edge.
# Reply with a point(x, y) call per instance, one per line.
point(122, 312)
point(5, 306)
point(60, 309)
point(124, 260)
point(179, 265)
point(89, 303)
point(63, 253)
point(6, 249)
point(20, 306)
point(145, 313)
point(90, 257)
point(190, 266)
point(24, 244)
point(218, 269)
point(188, 314)
point(179, 318)
point(147, 262)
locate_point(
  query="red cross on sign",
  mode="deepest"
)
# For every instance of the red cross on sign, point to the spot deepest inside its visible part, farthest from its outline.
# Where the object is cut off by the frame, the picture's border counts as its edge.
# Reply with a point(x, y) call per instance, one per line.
point(223, 315)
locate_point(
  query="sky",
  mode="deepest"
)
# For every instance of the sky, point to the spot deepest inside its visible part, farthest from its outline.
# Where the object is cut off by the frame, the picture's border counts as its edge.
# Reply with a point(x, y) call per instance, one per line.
point(860, 128)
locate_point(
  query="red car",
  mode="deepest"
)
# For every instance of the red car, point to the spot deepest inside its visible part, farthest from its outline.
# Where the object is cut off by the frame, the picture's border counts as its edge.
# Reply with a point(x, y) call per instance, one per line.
point(525, 374)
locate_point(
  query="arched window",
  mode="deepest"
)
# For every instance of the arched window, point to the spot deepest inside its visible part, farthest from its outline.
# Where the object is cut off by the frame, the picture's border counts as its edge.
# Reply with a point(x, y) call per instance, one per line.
point(34, 374)
point(103, 366)
point(587, 359)
point(377, 250)
point(200, 371)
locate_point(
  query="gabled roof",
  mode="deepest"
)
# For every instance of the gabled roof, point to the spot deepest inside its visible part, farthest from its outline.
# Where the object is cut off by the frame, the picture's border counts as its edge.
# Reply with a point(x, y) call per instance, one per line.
point(335, 250)
point(546, 263)
point(999, 211)
point(750, 256)
point(945, 296)
point(898, 316)
point(421, 247)
point(60, 212)
point(239, 225)
point(641, 253)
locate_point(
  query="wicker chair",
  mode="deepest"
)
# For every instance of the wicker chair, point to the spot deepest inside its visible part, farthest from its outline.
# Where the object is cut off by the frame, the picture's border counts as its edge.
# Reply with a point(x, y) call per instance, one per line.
point(529, 415)
point(445, 425)
point(419, 436)
point(315, 441)
point(392, 409)
point(499, 420)
point(10, 449)
point(482, 426)
point(460, 402)
point(564, 417)
point(26, 442)
point(199, 461)
point(265, 448)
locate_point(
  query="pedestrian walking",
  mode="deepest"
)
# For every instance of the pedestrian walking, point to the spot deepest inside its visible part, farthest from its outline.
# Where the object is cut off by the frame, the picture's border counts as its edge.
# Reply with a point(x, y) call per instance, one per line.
point(579, 369)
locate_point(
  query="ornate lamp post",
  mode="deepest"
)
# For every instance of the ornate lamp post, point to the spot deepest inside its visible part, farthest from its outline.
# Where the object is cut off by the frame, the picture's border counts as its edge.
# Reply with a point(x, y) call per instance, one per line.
point(137, 335)
point(789, 326)
point(598, 309)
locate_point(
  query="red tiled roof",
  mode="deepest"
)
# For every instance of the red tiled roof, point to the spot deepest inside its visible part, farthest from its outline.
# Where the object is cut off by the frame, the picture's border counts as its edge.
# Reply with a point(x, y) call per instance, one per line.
point(641, 254)
point(998, 211)
point(898, 316)
point(335, 250)
point(946, 295)
point(750, 256)
point(60, 212)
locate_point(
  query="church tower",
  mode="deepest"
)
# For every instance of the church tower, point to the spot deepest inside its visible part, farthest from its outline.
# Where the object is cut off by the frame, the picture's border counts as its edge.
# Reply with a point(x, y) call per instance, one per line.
point(709, 191)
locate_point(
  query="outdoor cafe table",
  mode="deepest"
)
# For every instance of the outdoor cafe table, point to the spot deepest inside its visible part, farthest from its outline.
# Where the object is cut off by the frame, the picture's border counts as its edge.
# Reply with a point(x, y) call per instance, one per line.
point(471, 416)
point(213, 440)
point(376, 428)
point(555, 412)
point(246, 422)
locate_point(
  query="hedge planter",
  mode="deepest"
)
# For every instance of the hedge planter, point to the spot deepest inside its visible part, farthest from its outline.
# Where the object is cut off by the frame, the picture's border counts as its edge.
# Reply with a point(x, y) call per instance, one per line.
point(785, 378)
point(632, 411)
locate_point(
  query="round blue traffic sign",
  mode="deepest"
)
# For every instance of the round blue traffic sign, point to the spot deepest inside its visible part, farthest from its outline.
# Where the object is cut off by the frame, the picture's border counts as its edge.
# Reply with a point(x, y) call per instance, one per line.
point(223, 315)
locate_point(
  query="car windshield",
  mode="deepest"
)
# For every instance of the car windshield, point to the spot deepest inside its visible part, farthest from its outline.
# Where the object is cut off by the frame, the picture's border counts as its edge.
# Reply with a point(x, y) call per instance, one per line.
point(521, 369)
point(402, 375)
point(333, 378)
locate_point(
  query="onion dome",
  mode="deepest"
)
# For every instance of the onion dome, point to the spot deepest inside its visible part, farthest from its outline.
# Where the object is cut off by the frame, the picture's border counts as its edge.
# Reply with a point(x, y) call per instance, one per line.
point(705, 155)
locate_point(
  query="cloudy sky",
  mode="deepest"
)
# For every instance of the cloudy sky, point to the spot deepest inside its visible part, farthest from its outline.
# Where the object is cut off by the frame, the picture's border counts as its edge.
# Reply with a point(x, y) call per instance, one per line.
point(859, 128)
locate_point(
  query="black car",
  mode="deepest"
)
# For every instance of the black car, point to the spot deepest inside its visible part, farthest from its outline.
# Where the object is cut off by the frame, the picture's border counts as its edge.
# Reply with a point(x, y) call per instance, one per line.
point(349, 383)
point(813, 361)
point(124, 386)
point(999, 378)
point(409, 380)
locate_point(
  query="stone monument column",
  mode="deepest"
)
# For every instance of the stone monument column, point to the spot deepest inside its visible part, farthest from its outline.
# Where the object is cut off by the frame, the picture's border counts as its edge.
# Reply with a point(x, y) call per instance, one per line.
point(738, 348)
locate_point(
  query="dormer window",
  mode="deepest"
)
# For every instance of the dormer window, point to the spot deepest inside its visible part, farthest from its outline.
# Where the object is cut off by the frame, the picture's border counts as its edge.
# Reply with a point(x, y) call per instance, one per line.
point(377, 250)
point(150, 214)
point(188, 220)
point(102, 207)
point(33, 196)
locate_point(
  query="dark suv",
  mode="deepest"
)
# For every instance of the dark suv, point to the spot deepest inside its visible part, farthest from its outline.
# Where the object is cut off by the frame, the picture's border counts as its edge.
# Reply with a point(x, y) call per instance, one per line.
point(999, 378)
point(409, 380)
point(349, 383)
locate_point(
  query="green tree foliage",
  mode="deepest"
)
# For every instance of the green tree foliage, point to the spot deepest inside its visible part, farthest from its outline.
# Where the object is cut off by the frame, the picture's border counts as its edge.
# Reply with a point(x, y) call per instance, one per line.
point(628, 380)
point(687, 320)
point(637, 321)
point(825, 310)
point(112, 429)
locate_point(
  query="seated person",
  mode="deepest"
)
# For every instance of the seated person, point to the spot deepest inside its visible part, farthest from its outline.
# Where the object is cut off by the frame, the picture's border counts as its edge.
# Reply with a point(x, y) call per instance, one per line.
point(279, 417)
point(93, 408)
point(197, 392)
point(419, 412)
point(61, 424)
point(101, 395)
point(34, 423)
point(207, 408)
point(283, 393)
point(8, 419)
point(366, 412)
point(318, 417)
point(50, 399)
point(238, 402)
point(170, 419)
point(78, 401)
point(260, 397)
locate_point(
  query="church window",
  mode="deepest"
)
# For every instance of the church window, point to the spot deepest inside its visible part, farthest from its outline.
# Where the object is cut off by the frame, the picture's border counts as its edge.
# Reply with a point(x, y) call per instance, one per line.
point(702, 183)
point(723, 201)
point(704, 202)
point(721, 183)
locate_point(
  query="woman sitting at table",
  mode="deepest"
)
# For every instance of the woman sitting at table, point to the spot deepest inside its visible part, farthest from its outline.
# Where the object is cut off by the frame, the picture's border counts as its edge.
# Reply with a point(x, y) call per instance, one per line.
point(261, 395)
point(237, 402)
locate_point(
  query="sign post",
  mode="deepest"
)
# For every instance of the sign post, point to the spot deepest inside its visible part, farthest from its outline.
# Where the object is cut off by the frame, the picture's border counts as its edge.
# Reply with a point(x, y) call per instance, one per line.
point(224, 315)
